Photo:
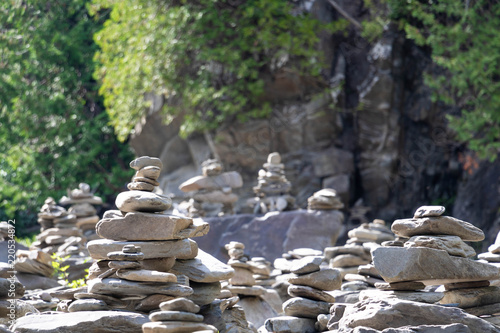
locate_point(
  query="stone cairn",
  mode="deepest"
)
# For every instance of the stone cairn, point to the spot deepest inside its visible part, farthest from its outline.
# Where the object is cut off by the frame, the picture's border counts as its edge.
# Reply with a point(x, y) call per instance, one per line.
point(353, 260)
point(325, 199)
point(82, 203)
point(436, 254)
point(57, 225)
point(252, 298)
point(213, 187)
point(147, 258)
point(308, 309)
point(272, 190)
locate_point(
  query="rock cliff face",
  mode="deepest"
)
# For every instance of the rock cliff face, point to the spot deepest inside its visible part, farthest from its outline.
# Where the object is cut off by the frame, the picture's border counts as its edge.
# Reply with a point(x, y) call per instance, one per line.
point(377, 138)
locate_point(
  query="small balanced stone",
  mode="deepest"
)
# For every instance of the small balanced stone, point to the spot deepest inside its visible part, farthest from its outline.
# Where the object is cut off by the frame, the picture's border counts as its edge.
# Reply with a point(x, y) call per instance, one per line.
point(426, 211)
point(131, 249)
point(119, 255)
point(180, 304)
point(124, 264)
point(145, 161)
point(175, 316)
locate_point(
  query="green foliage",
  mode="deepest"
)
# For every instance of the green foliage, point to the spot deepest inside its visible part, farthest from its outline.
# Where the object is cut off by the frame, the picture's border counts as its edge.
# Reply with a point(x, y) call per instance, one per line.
point(373, 27)
point(465, 42)
point(53, 132)
point(27, 240)
point(207, 57)
point(60, 271)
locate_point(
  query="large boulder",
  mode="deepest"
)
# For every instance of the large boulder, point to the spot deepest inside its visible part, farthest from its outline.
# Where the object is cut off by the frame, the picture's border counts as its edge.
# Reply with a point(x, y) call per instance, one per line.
point(284, 232)
point(382, 314)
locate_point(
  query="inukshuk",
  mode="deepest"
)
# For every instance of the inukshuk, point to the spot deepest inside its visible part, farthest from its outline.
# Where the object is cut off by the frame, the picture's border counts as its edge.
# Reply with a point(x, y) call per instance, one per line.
point(213, 187)
point(272, 190)
point(82, 202)
point(436, 254)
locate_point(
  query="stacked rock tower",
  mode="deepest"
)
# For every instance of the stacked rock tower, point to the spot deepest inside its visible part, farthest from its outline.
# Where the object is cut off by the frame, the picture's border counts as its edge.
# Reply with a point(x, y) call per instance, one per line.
point(325, 199)
point(213, 187)
point(435, 254)
point(356, 252)
point(309, 306)
point(147, 256)
point(82, 203)
point(272, 190)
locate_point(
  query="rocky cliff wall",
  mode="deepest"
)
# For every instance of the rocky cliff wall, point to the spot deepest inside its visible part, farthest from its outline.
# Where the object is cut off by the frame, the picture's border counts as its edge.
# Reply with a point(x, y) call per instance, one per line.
point(374, 135)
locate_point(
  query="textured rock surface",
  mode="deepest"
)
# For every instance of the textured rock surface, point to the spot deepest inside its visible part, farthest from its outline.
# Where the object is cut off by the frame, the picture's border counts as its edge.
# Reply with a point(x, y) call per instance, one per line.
point(429, 266)
point(441, 225)
point(284, 232)
point(142, 226)
point(290, 324)
point(204, 268)
point(395, 313)
point(81, 322)
point(454, 245)
point(99, 248)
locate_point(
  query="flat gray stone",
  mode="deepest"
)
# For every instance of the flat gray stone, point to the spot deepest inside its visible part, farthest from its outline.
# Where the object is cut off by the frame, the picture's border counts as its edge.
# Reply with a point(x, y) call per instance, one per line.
point(429, 266)
point(99, 248)
point(145, 161)
point(123, 288)
point(305, 308)
point(440, 225)
point(175, 316)
point(348, 260)
point(176, 327)
point(324, 279)
point(152, 172)
point(471, 297)
point(180, 304)
point(124, 264)
point(390, 313)
point(82, 322)
point(427, 211)
point(430, 297)
point(142, 227)
point(358, 250)
point(140, 186)
point(306, 265)
point(454, 245)
point(204, 268)
point(289, 324)
point(400, 286)
point(142, 201)
point(247, 291)
point(310, 293)
point(144, 275)
point(87, 305)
